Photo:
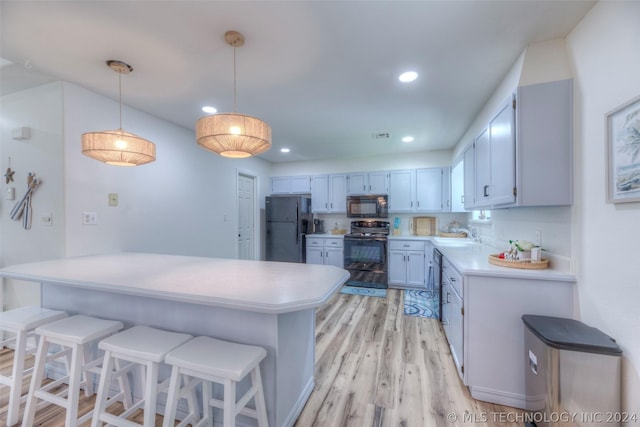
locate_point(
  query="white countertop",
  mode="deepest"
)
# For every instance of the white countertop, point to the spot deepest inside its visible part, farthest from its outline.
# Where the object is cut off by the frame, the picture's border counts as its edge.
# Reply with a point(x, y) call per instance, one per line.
point(473, 260)
point(267, 287)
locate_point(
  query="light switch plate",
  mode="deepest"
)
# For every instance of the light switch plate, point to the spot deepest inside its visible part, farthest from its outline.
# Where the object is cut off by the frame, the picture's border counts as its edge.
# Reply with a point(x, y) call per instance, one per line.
point(113, 199)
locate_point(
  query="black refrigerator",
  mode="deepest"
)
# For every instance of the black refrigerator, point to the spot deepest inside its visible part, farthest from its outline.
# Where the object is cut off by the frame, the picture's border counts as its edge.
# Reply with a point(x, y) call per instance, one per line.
point(288, 222)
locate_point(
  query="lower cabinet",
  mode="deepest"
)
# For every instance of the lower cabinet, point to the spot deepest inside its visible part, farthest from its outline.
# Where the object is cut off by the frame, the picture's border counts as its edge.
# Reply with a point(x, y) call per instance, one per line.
point(325, 250)
point(482, 321)
point(453, 313)
point(407, 264)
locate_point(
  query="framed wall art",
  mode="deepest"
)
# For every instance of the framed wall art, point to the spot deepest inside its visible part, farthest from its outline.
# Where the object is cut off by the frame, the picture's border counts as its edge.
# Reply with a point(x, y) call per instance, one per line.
point(623, 153)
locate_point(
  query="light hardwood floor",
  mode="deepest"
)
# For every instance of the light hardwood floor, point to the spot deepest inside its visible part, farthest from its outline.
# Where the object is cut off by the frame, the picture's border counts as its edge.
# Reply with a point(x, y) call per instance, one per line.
point(374, 367)
point(377, 367)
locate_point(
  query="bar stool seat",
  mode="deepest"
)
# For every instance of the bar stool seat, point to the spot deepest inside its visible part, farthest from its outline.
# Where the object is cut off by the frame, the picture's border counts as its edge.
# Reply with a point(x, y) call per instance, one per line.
point(208, 360)
point(144, 347)
point(76, 336)
point(22, 322)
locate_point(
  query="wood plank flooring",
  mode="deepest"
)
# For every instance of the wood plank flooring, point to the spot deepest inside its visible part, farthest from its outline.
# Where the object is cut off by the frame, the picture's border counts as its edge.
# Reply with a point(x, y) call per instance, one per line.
point(374, 367)
point(377, 367)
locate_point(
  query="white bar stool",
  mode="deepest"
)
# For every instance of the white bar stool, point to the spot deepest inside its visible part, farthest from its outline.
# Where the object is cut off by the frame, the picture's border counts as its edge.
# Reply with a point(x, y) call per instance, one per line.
point(209, 360)
point(21, 321)
point(146, 348)
point(75, 335)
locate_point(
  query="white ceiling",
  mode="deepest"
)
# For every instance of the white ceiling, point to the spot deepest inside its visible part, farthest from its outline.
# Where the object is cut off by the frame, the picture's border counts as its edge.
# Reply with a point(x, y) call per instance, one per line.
point(323, 74)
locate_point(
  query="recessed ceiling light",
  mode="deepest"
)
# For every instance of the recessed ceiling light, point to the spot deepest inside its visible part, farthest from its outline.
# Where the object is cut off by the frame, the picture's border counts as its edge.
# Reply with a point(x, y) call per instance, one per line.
point(407, 139)
point(209, 110)
point(284, 150)
point(408, 76)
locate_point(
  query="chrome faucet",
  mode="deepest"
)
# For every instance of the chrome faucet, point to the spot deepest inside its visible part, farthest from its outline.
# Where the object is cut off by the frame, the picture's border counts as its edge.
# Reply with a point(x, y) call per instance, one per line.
point(469, 232)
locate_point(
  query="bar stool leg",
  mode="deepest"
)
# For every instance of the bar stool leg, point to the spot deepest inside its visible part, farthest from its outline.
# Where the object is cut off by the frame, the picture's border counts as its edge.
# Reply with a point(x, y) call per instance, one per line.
point(103, 389)
point(192, 399)
point(229, 403)
point(172, 397)
point(123, 383)
point(151, 394)
point(75, 378)
point(261, 407)
point(36, 379)
point(16, 377)
point(207, 411)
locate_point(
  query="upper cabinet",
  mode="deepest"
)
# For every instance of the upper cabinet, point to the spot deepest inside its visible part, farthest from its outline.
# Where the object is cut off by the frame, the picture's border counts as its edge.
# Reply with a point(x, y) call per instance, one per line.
point(432, 190)
point(524, 155)
point(291, 184)
point(457, 186)
point(468, 175)
point(329, 193)
point(411, 190)
point(368, 183)
point(402, 190)
point(421, 190)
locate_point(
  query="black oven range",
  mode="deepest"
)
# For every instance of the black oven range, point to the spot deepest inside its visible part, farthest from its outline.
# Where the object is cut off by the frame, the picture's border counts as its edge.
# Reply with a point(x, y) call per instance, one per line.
point(365, 254)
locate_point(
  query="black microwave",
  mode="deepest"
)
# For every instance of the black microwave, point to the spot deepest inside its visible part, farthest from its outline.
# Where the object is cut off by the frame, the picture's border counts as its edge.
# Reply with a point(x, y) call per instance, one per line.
point(369, 206)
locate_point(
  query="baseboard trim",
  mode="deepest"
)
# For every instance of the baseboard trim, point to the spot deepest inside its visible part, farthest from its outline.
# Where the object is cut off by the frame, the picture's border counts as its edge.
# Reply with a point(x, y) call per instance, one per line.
point(499, 397)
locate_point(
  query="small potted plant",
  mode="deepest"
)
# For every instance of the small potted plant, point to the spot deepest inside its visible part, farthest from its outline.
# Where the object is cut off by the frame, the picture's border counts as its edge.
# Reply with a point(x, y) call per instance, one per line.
point(522, 249)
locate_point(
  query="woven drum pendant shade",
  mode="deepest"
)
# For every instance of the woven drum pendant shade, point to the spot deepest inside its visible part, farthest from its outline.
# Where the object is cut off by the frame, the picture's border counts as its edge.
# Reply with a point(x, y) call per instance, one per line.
point(118, 148)
point(233, 135)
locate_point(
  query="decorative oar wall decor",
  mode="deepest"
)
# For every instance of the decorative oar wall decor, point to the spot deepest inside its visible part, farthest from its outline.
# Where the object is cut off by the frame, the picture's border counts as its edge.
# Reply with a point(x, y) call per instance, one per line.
point(22, 210)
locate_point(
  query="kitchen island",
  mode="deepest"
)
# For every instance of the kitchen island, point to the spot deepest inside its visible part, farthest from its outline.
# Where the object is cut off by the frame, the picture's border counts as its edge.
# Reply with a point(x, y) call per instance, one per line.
point(270, 304)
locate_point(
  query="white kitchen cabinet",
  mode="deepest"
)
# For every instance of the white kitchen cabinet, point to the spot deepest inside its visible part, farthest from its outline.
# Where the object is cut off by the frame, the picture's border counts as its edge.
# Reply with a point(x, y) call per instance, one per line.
point(457, 186)
point(482, 319)
point(495, 159)
point(525, 155)
point(407, 265)
point(401, 190)
point(493, 332)
point(469, 173)
point(325, 250)
point(482, 170)
point(329, 193)
point(368, 182)
point(453, 313)
point(432, 190)
point(291, 184)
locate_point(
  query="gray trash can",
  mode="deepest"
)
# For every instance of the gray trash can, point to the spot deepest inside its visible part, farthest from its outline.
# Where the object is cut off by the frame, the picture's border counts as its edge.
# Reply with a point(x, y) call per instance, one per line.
point(572, 373)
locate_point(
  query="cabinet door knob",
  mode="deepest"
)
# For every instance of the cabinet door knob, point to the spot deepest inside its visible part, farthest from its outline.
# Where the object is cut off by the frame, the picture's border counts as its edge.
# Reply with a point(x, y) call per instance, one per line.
point(486, 187)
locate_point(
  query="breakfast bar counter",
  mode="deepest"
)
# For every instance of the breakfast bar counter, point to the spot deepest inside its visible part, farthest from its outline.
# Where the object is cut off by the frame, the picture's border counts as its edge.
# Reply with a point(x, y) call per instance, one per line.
point(270, 304)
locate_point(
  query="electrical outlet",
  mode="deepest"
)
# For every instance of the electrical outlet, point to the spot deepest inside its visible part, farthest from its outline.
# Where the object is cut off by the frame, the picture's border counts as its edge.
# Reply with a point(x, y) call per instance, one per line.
point(538, 238)
point(89, 218)
point(47, 219)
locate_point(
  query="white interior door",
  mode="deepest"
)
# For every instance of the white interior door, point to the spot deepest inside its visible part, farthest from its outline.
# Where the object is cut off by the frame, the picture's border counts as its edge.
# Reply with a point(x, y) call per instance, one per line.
point(246, 216)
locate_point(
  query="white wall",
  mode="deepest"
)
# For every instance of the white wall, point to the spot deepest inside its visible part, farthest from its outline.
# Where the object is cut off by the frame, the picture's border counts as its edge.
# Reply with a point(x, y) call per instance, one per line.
point(605, 52)
point(183, 203)
point(365, 163)
point(40, 109)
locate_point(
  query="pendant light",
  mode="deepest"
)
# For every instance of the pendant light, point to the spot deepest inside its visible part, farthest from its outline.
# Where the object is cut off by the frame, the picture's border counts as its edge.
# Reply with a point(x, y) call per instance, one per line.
point(117, 147)
point(232, 134)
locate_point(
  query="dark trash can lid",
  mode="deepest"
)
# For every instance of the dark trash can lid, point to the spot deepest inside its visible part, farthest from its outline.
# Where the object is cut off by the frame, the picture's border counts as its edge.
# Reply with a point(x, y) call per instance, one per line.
point(569, 334)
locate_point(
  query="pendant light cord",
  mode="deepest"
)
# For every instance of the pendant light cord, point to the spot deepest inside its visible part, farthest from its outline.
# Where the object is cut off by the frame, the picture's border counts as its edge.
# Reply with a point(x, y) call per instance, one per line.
point(120, 95)
point(235, 104)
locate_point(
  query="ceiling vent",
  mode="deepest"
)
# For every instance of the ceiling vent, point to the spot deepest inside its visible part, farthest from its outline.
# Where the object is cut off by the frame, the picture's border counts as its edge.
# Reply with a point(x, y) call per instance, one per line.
point(381, 135)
